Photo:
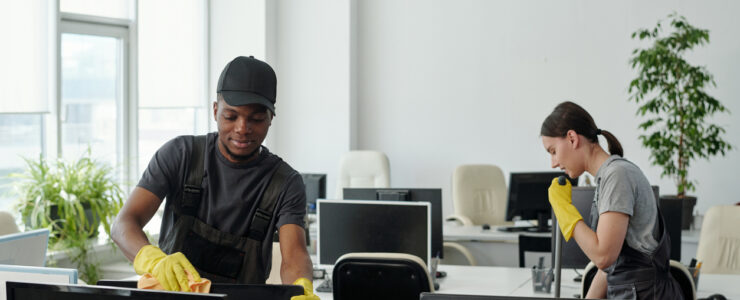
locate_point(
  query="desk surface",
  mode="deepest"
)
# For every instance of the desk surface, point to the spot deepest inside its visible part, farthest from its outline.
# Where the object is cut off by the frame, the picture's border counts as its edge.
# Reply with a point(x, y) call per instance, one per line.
point(504, 281)
point(453, 232)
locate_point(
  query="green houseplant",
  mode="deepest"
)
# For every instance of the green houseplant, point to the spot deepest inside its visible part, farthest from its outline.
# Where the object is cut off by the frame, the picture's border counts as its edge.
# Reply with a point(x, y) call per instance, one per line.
point(71, 199)
point(673, 93)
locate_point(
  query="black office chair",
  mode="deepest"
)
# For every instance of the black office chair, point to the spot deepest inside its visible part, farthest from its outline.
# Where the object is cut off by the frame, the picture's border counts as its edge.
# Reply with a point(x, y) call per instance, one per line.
point(529, 243)
point(678, 271)
point(392, 276)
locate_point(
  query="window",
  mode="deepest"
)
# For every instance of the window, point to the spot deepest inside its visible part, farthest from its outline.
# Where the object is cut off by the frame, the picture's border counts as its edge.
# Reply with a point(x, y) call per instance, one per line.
point(20, 137)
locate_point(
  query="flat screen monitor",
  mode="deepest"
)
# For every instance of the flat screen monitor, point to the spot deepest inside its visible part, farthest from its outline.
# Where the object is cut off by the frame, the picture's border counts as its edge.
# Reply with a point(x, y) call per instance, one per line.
point(572, 255)
point(35, 275)
point(23, 291)
point(233, 291)
point(347, 226)
point(24, 248)
point(433, 196)
point(315, 189)
point(528, 197)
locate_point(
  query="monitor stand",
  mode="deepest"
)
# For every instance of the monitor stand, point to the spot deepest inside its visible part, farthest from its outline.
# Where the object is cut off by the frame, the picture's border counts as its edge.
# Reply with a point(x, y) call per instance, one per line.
point(541, 223)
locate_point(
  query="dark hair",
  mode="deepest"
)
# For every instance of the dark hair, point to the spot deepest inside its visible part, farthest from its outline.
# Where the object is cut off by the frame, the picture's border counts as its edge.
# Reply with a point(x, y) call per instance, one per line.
point(570, 116)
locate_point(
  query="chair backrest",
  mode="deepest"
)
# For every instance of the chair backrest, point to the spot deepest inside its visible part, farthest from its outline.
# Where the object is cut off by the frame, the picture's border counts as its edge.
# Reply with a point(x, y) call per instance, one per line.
point(678, 271)
point(361, 276)
point(479, 193)
point(719, 242)
point(7, 223)
point(684, 279)
point(363, 169)
point(529, 243)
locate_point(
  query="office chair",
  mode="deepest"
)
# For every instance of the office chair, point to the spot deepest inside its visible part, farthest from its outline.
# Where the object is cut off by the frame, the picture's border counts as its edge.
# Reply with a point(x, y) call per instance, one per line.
point(363, 169)
point(529, 243)
point(678, 271)
point(390, 276)
point(719, 242)
point(479, 195)
point(451, 247)
point(7, 223)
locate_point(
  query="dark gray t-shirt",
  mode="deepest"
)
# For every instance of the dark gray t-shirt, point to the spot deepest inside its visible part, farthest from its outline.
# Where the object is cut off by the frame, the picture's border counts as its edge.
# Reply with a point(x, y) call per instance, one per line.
point(622, 187)
point(229, 190)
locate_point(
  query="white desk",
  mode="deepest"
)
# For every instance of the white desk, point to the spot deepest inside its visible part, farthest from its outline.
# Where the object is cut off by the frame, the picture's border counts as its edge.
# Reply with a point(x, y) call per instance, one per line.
point(495, 248)
point(502, 281)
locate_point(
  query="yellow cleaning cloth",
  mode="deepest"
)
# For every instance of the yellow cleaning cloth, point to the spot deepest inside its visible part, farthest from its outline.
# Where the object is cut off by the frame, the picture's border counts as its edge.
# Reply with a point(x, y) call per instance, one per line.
point(147, 281)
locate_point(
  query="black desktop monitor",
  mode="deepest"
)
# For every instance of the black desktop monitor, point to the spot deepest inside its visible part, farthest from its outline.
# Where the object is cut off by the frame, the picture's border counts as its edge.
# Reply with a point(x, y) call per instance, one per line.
point(528, 197)
point(24, 291)
point(233, 291)
point(572, 255)
point(315, 189)
point(433, 196)
point(347, 226)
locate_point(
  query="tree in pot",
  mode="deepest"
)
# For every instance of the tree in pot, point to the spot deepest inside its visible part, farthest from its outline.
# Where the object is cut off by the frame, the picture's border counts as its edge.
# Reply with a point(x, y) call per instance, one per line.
point(71, 200)
point(673, 93)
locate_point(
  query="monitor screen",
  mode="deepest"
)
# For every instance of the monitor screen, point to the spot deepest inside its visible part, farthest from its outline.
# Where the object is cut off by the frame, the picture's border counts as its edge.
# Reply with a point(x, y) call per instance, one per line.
point(433, 196)
point(347, 226)
point(528, 197)
point(233, 291)
point(23, 291)
point(572, 255)
point(315, 189)
point(24, 248)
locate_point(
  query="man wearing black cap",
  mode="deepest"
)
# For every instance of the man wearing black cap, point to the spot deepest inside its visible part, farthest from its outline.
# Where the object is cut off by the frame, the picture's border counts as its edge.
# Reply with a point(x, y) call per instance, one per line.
point(226, 195)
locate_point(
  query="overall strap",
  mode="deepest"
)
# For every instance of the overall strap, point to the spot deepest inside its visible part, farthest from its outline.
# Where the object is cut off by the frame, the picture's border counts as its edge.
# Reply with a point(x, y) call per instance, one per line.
point(263, 214)
point(192, 190)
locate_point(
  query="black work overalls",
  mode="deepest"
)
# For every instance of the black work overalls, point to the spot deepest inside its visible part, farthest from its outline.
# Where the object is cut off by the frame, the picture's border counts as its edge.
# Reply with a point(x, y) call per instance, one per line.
point(220, 256)
point(637, 275)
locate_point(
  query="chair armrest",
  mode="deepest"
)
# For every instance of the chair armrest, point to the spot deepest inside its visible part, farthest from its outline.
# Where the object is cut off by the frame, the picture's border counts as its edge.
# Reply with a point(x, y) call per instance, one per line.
point(465, 221)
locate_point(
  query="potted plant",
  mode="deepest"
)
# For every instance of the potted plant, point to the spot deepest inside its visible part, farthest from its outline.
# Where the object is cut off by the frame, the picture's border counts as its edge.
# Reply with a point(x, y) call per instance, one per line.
point(673, 93)
point(71, 199)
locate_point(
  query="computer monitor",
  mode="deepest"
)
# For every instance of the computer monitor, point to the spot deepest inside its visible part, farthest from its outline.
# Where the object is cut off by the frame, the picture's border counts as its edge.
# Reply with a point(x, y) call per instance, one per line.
point(528, 197)
point(347, 226)
point(35, 275)
point(433, 196)
point(24, 290)
point(572, 255)
point(315, 189)
point(24, 248)
point(233, 291)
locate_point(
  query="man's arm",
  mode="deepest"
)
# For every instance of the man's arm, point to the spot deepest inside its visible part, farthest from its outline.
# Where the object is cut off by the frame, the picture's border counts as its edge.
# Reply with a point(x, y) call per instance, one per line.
point(295, 263)
point(127, 229)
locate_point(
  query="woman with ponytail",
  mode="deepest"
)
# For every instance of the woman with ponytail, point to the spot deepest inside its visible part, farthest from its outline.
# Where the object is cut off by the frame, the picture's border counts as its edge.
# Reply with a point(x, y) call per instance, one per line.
point(626, 239)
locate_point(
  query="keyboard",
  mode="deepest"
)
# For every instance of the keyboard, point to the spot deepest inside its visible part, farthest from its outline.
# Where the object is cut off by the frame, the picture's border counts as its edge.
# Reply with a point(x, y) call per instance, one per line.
point(325, 287)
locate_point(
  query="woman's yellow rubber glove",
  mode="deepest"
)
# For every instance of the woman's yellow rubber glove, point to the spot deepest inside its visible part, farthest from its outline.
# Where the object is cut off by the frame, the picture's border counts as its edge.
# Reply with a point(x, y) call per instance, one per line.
point(567, 214)
point(169, 270)
point(307, 290)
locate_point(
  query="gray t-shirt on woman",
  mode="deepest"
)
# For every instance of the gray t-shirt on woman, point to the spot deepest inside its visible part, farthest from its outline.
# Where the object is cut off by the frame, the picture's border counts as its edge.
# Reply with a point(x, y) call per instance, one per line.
point(622, 187)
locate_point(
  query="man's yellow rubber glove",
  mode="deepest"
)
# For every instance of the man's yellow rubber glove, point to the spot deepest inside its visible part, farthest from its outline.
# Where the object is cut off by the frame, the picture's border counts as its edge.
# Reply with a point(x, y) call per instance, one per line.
point(307, 290)
point(567, 214)
point(169, 270)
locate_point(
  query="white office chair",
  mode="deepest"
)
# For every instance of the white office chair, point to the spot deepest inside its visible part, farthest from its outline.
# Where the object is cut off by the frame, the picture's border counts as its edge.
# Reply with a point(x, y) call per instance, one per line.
point(479, 195)
point(277, 260)
point(7, 223)
point(719, 242)
point(363, 169)
point(451, 249)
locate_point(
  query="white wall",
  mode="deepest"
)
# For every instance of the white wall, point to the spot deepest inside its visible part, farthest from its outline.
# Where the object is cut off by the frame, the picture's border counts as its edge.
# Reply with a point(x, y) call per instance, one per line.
point(443, 83)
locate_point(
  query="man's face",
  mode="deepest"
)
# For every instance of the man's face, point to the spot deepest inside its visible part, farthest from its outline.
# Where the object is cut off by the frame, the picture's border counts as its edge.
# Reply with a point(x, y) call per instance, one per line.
point(241, 129)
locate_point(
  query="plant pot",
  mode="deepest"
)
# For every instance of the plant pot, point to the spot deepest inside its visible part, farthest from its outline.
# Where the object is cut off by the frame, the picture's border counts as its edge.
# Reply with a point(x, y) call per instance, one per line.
point(687, 209)
point(54, 215)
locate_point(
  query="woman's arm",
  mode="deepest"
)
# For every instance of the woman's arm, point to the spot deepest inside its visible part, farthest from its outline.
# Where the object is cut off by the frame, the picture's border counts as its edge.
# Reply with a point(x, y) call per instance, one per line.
point(603, 246)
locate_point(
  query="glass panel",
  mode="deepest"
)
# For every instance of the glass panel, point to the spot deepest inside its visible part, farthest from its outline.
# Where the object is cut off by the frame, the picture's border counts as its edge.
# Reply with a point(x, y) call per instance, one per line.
point(91, 87)
point(157, 126)
point(20, 136)
point(121, 9)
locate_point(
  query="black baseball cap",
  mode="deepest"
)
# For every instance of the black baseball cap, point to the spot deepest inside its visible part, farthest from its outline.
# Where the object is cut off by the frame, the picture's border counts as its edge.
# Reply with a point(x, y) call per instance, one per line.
point(247, 80)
